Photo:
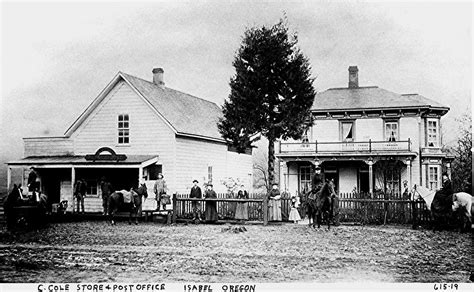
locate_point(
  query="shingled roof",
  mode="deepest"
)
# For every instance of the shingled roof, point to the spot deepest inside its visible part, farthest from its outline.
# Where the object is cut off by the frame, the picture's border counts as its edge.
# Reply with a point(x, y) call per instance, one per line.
point(372, 97)
point(187, 114)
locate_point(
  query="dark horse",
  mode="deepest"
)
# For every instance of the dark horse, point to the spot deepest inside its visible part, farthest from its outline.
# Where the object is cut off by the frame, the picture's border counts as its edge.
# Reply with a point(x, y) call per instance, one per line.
point(319, 205)
point(116, 202)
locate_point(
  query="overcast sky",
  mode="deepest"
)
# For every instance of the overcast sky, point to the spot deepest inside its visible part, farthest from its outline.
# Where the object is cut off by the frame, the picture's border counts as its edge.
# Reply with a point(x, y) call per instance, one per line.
point(56, 58)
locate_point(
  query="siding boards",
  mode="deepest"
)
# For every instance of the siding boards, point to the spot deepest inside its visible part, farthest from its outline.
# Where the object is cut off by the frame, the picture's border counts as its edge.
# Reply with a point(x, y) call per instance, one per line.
point(192, 159)
point(50, 146)
point(100, 128)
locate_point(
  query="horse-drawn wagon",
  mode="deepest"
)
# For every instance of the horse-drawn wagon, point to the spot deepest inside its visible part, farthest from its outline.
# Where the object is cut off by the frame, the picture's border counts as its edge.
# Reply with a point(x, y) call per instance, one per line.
point(25, 211)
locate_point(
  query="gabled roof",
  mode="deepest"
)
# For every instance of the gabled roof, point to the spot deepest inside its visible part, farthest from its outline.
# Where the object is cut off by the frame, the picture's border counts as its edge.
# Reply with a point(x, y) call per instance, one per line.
point(187, 115)
point(372, 97)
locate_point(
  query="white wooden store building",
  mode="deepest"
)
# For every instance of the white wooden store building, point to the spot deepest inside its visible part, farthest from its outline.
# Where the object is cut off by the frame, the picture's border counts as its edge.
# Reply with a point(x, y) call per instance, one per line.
point(155, 128)
point(367, 139)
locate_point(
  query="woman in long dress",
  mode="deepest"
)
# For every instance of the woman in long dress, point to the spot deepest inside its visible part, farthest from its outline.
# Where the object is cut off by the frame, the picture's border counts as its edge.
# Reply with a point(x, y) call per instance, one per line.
point(242, 210)
point(274, 204)
point(211, 206)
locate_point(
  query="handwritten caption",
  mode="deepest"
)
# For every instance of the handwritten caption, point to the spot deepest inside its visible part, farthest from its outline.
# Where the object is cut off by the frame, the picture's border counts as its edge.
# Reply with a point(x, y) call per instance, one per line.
point(142, 288)
point(100, 287)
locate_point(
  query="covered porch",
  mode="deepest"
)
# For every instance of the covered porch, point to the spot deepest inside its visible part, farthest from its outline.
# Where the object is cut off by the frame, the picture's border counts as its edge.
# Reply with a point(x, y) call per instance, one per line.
point(350, 174)
point(57, 176)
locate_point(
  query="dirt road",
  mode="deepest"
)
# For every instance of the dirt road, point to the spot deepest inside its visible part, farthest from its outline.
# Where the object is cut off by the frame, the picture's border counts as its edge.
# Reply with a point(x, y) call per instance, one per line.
point(98, 252)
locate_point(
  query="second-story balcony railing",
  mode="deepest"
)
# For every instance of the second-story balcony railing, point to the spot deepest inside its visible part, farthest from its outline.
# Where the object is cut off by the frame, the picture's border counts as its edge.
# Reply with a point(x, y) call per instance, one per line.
point(364, 146)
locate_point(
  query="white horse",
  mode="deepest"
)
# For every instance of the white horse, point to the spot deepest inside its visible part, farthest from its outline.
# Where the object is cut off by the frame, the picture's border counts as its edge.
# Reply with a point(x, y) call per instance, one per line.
point(464, 200)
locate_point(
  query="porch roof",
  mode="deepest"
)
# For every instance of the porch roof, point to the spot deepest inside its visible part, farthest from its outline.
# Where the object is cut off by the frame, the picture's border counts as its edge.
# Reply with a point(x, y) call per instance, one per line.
point(138, 160)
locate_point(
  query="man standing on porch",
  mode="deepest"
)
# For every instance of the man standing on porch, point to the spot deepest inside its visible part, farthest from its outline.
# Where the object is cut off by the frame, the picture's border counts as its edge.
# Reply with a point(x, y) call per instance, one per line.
point(160, 189)
point(106, 188)
point(80, 192)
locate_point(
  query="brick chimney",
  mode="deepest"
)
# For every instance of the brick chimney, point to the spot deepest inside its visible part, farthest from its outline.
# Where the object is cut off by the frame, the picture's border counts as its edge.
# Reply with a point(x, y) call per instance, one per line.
point(353, 77)
point(158, 77)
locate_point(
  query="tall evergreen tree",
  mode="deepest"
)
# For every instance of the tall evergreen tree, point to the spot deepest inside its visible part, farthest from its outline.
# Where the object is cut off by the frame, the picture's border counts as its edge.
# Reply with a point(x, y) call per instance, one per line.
point(271, 91)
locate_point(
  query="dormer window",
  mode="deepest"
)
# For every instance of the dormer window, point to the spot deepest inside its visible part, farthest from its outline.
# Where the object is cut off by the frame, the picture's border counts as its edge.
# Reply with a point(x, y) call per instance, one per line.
point(123, 129)
point(433, 133)
point(391, 131)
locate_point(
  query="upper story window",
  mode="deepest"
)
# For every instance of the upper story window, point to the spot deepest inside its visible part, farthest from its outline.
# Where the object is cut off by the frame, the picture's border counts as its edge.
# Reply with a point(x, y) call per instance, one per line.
point(433, 133)
point(391, 131)
point(347, 131)
point(123, 129)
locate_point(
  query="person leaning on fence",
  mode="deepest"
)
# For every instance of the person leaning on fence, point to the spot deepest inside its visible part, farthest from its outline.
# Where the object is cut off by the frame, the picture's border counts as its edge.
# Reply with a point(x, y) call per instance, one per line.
point(79, 193)
point(211, 206)
point(106, 189)
point(242, 210)
point(160, 189)
point(274, 204)
point(196, 205)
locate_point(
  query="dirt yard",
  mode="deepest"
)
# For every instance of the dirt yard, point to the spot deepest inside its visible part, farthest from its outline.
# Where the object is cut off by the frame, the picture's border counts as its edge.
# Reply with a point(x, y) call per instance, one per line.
point(98, 252)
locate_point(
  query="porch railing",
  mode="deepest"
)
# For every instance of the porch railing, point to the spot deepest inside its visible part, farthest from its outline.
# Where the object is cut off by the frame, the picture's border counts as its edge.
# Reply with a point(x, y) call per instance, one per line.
point(364, 146)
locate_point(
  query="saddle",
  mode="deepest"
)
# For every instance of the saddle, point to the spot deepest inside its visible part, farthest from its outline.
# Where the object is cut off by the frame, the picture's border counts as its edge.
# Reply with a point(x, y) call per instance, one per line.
point(127, 196)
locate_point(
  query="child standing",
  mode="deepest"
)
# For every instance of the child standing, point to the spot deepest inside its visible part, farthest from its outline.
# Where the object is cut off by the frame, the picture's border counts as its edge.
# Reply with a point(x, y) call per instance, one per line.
point(294, 214)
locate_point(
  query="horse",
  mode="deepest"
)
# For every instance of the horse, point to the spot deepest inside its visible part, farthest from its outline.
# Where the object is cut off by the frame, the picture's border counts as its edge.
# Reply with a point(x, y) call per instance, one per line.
point(319, 205)
point(464, 200)
point(116, 202)
point(440, 214)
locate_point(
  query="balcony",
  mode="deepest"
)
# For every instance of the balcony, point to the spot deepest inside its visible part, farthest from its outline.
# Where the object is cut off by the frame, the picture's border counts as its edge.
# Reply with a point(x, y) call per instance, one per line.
point(346, 147)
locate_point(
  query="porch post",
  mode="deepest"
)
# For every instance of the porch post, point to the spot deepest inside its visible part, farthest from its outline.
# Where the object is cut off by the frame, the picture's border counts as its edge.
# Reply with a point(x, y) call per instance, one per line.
point(140, 174)
point(409, 172)
point(9, 178)
point(371, 181)
point(282, 176)
point(73, 182)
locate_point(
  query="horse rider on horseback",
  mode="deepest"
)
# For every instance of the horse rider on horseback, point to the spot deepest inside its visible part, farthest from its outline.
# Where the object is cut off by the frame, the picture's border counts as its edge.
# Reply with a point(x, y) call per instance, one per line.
point(318, 181)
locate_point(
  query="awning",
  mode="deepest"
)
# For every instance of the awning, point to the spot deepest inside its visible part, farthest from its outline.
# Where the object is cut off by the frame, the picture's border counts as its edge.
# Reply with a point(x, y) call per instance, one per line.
point(80, 161)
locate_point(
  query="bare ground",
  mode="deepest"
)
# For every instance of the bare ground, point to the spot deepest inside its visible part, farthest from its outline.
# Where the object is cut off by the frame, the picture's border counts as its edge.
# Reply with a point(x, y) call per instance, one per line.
point(98, 252)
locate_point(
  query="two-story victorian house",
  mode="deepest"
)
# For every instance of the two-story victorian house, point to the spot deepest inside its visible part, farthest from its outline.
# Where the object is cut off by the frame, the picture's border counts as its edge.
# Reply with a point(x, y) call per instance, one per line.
point(367, 139)
point(132, 131)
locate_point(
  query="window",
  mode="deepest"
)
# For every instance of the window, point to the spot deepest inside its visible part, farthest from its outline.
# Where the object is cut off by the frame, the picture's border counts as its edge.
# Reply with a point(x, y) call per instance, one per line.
point(347, 131)
point(305, 179)
point(91, 189)
point(123, 129)
point(391, 131)
point(209, 173)
point(433, 177)
point(432, 133)
point(392, 181)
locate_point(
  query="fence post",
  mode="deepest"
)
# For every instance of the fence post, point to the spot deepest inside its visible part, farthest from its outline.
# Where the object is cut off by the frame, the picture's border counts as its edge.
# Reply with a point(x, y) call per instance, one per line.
point(175, 208)
point(265, 210)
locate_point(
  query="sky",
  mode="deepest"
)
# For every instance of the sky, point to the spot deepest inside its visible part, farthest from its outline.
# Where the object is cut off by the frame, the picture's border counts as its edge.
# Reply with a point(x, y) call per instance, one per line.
point(57, 57)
